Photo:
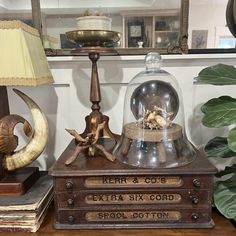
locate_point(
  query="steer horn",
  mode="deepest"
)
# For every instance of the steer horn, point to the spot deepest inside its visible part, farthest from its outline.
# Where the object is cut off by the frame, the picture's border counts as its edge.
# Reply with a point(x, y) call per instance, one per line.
point(36, 145)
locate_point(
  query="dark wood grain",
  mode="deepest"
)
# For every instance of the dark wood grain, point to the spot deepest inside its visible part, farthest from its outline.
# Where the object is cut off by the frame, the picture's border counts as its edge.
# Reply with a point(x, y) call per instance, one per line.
point(17, 182)
point(96, 117)
point(36, 16)
point(222, 227)
point(4, 110)
point(4, 104)
point(116, 184)
point(87, 166)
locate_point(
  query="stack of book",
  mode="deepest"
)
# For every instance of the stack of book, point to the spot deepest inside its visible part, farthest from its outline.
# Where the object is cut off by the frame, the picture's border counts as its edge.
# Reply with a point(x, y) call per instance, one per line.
point(26, 212)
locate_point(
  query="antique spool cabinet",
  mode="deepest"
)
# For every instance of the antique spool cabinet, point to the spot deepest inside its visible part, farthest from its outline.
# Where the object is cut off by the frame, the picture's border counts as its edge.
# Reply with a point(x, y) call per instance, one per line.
point(158, 179)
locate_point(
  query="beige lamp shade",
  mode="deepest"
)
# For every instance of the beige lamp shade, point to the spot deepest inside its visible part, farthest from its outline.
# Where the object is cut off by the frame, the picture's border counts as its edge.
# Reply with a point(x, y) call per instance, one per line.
point(22, 58)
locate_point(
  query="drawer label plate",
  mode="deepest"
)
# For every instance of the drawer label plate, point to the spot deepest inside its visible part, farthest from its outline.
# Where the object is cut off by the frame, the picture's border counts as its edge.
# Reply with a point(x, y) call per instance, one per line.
point(131, 198)
point(133, 216)
point(133, 181)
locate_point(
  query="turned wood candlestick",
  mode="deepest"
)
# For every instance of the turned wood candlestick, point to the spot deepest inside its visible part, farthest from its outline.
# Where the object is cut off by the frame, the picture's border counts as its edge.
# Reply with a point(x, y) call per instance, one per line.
point(96, 117)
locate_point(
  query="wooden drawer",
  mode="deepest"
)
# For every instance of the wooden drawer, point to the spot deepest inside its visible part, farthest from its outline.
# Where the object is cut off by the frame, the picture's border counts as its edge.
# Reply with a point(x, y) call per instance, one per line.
point(91, 198)
point(145, 217)
point(137, 181)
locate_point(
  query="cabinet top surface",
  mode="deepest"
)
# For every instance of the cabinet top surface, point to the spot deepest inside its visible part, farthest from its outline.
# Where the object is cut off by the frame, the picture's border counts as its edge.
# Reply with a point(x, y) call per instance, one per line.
point(99, 166)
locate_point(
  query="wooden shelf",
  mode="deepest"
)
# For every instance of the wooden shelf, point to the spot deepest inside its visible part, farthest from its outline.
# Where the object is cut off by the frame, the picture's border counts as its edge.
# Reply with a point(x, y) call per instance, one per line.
point(166, 31)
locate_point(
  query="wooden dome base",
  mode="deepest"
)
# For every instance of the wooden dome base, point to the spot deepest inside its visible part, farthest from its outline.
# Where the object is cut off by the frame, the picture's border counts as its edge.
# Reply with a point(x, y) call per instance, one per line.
point(133, 131)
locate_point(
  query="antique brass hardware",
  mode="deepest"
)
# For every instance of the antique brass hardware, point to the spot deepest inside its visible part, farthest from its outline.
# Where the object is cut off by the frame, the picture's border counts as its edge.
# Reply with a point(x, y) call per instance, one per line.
point(197, 183)
point(69, 185)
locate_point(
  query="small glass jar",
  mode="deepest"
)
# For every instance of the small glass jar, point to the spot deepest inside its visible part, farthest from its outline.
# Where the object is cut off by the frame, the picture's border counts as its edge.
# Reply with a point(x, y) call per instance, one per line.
point(153, 134)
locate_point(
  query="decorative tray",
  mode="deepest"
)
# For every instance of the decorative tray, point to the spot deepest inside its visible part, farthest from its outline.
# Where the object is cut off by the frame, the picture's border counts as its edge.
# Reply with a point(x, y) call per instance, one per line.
point(91, 38)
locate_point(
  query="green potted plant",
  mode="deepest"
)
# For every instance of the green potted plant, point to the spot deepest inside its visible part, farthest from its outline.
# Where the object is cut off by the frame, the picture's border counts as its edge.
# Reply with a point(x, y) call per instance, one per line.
point(221, 112)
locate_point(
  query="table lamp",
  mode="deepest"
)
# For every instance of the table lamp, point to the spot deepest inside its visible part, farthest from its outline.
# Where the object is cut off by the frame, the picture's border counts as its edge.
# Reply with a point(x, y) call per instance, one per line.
point(22, 63)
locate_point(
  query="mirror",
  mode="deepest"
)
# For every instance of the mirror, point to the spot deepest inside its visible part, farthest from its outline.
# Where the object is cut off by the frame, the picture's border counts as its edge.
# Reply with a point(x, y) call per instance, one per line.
point(16, 10)
point(208, 26)
point(144, 24)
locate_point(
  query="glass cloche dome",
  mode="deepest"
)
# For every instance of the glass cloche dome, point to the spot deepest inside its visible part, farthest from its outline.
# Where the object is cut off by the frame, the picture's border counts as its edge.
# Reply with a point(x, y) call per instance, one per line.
point(153, 134)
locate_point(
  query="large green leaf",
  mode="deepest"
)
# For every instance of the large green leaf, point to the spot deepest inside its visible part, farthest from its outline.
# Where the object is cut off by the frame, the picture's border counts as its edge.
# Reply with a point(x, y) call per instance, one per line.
point(219, 74)
point(225, 197)
point(218, 147)
point(219, 112)
point(226, 171)
point(232, 139)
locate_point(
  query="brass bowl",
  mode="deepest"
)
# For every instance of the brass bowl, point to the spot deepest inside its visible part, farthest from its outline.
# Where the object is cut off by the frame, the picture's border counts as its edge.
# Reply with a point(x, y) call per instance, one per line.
point(92, 38)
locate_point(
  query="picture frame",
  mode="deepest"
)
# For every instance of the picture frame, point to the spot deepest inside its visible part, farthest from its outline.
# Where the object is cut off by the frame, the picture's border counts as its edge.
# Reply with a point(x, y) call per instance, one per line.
point(136, 31)
point(199, 39)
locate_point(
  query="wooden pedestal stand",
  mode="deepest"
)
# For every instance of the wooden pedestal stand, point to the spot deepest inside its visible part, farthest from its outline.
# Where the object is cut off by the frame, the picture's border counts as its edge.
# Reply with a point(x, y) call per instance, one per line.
point(96, 117)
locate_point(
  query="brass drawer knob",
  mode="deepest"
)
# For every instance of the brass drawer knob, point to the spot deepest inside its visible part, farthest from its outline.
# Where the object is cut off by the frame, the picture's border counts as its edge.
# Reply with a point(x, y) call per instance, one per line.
point(70, 201)
point(194, 216)
point(197, 183)
point(71, 219)
point(69, 185)
point(194, 199)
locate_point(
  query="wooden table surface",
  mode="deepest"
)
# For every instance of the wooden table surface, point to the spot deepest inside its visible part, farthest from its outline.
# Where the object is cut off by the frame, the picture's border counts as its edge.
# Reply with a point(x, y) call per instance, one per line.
point(223, 227)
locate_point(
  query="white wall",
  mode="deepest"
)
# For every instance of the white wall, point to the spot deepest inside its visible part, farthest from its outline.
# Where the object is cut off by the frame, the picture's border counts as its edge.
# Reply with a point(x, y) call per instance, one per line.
point(66, 102)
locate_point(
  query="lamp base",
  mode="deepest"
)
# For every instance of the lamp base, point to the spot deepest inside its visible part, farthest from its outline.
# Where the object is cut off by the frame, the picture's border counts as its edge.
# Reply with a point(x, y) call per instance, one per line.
point(17, 182)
